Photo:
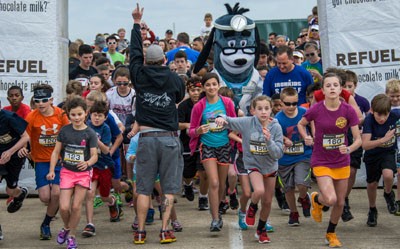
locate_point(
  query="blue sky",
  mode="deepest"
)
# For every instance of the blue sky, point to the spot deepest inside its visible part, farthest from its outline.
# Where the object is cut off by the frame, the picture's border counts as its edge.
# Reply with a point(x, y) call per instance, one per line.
point(89, 17)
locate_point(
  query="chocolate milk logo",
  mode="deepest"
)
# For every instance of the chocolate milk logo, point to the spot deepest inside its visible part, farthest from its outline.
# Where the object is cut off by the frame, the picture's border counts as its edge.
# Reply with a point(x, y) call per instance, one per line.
point(156, 100)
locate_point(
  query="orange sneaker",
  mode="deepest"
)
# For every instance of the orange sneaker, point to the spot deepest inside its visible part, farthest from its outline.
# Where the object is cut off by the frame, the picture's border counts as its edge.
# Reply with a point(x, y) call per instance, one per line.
point(332, 240)
point(316, 211)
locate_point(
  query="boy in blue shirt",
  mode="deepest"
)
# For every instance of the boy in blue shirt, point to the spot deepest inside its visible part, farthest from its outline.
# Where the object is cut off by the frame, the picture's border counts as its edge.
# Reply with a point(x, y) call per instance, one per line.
point(294, 166)
point(102, 169)
point(379, 143)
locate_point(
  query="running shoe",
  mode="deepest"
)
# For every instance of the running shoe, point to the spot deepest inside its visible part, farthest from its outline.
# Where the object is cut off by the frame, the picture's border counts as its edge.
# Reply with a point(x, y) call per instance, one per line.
point(294, 219)
point(305, 205)
point(177, 227)
point(114, 210)
point(216, 225)
point(150, 216)
point(242, 220)
point(316, 211)
point(233, 201)
point(397, 213)
point(332, 240)
point(262, 236)
point(16, 203)
point(45, 233)
point(89, 231)
point(71, 243)
point(167, 236)
point(346, 214)
point(129, 192)
point(251, 215)
point(203, 203)
point(223, 207)
point(62, 236)
point(390, 202)
point(135, 224)
point(139, 237)
point(269, 227)
point(97, 202)
point(188, 190)
point(372, 217)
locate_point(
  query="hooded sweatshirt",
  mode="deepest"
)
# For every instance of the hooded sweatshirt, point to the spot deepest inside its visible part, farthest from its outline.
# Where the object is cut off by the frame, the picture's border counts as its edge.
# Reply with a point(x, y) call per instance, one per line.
point(258, 153)
point(157, 89)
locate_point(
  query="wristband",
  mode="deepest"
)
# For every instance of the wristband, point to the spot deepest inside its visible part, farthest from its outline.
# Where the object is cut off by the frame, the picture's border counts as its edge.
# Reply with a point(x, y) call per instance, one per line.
point(348, 150)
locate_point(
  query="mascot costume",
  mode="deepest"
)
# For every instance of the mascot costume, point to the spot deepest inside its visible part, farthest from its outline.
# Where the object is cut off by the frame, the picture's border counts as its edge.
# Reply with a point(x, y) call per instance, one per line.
point(235, 41)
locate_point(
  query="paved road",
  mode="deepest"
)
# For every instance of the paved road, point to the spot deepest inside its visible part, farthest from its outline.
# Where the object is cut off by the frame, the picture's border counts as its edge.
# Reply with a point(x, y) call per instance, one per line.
point(21, 230)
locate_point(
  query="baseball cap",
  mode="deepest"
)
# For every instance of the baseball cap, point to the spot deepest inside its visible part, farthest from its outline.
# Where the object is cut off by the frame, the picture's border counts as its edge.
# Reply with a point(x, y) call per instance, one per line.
point(298, 54)
point(100, 40)
point(315, 26)
point(154, 53)
point(169, 31)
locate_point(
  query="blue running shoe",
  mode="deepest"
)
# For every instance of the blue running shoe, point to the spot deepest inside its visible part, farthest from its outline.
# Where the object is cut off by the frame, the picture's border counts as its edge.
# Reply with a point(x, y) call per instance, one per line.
point(150, 216)
point(242, 220)
point(269, 227)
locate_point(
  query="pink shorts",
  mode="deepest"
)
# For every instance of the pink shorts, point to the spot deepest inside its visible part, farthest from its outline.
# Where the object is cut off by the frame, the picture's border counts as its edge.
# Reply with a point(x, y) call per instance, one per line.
point(69, 179)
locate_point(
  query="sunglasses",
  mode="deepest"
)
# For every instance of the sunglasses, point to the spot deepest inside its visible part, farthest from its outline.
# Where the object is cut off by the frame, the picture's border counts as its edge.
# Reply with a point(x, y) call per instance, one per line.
point(310, 54)
point(146, 44)
point(122, 83)
point(314, 30)
point(303, 36)
point(290, 103)
point(111, 43)
point(171, 43)
point(44, 100)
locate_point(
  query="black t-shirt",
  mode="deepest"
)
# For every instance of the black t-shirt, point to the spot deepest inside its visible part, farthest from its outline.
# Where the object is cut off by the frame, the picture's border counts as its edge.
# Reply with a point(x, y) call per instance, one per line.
point(11, 128)
point(73, 63)
point(78, 70)
point(184, 114)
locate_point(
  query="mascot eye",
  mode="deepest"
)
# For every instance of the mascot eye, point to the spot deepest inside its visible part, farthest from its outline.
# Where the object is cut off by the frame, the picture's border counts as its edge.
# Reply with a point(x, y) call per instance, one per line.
point(243, 43)
point(231, 43)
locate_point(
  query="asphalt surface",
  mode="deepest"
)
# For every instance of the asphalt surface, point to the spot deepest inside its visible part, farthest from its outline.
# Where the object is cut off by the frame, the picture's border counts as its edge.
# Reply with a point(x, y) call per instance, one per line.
point(21, 229)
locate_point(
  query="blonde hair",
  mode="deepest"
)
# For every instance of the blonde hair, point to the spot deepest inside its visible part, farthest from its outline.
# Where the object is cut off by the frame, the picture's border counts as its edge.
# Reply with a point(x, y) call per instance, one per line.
point(96, 96)
point(393, 85)
point(260, 98)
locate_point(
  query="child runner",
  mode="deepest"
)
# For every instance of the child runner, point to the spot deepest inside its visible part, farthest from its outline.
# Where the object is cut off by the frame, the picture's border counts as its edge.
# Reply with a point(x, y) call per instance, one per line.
point(214, 142)
point(379, 143)
point(15, 96)
point(102, 169)
point(262, 147)
point(393, 91)
point(12, 137)
point(191, 162)
point(97, 82)
point(294, 166)
point(44, 125)
point(330, 159)
point(77, 146)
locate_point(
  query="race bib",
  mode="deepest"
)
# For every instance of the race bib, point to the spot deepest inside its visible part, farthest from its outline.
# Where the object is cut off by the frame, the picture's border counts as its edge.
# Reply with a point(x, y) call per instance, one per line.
point(248, 89)
point(258, 148)
point(389, 143)
point(48, 140)
point(332, 141)
point(296, 149)
point(397, 131)
point(74, 154)
point(213, 126)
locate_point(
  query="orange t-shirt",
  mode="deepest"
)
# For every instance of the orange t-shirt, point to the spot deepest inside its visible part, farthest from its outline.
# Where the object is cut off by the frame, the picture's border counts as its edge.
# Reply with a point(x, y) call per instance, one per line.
point(43, 132)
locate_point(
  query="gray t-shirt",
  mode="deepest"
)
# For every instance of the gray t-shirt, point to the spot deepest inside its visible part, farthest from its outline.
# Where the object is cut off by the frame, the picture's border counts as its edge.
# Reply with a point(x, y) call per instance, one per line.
point(76, 146)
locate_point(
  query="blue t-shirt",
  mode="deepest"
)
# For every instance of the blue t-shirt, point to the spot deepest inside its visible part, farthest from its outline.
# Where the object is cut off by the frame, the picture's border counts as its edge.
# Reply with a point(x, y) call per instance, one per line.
point(217, 136)
point(362, 103)
point(115, 131)
point(12, 127)
point(133, 145)
point(299, 151)
point(104, 135)
point(299, 78)
point(316, 66)
point(379, 130)
point(191, 54)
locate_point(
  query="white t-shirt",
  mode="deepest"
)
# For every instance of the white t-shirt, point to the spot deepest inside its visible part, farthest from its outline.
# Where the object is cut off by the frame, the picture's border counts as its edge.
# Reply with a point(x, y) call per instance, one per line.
point(121, 105)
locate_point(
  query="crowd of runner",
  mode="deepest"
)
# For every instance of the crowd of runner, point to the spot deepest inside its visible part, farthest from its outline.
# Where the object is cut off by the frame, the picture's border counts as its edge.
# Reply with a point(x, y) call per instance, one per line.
point(138, 122)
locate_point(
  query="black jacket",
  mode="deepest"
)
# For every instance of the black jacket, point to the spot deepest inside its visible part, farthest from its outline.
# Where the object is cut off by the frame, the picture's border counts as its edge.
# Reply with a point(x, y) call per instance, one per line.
point(157, 89)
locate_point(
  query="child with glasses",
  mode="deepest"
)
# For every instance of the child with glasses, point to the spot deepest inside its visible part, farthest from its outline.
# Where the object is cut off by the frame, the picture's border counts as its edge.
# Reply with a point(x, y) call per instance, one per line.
point(294, 166)
point(44, 125)
point(313, 62)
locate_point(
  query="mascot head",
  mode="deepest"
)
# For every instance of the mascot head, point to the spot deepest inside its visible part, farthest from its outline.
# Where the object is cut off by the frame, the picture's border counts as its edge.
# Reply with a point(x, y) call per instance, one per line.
point(235, 41)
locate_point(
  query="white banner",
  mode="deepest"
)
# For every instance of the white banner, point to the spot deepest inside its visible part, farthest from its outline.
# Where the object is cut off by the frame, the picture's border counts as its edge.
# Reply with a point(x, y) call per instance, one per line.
point(33, 50)
point(362, 36)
